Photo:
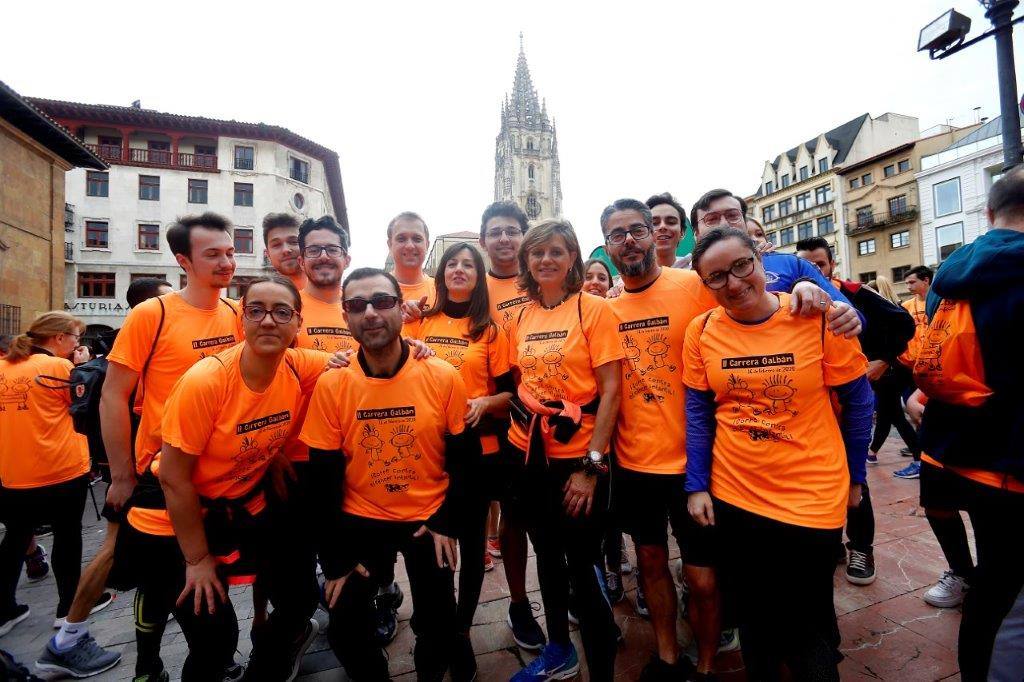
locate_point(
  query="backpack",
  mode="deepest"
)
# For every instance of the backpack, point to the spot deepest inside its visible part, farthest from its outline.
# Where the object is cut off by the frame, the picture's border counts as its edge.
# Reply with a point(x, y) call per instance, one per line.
point(86, 384)
point(948, 365)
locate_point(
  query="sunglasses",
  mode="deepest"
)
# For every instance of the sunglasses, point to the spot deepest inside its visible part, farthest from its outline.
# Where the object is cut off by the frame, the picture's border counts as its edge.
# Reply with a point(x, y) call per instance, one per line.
point(378, 301)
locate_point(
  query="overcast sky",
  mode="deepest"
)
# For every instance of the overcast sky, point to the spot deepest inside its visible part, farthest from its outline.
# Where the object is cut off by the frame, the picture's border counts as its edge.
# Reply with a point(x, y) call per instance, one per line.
point(648, 97)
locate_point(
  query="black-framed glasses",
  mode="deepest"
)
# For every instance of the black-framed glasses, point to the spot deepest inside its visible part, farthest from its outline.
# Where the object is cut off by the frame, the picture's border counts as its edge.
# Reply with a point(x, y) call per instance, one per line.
point(315, 250)
point(257, 313)
point(378, 301)
point(510, 232)
point(733, 216)
point(637, 232)
point(739, 269)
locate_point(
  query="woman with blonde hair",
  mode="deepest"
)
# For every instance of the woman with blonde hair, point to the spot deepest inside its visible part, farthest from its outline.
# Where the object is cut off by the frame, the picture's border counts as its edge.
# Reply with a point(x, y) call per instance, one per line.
point(884, 288)
point(44, 463)
point(565, 351)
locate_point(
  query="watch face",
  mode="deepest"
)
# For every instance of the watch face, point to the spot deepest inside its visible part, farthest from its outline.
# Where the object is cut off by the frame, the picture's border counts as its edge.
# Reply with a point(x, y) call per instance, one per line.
point(595, 457)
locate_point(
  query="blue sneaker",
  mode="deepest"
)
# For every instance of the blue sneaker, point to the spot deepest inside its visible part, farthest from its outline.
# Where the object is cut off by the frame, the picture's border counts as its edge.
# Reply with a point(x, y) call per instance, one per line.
point(556, 662)
point(912, 470)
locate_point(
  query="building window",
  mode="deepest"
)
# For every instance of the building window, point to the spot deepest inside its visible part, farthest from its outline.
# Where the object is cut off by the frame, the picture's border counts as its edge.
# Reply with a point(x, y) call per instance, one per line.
point(854, 183)
point(769, 187)
point(529, 171)
point(767, 214)
point(866, 179)
point(243, 194)
point(947, 197)
point(96, 233)
point(898, 205)
point(822, 165)
point(149, 237)
point(299, 201)
point(149, 187)
point(785, 180)
point(826, 225)
point(298, 170)
point(865, 216)
point(889, 170)
point(786, 236)
point(805, 230)
point(866, 247)
point(96, 284)
point(900, 273)
point(784, 207)
point(245, 158)
point(903, 165)
point(97, 184)
point(110, 147)
point(866, 277)
point(823, 194)
point(803, 201)
point(804, 173)
point(900, 240)
point(773, 238)
point(949, 238)
point(197, 191)
point(243, 240)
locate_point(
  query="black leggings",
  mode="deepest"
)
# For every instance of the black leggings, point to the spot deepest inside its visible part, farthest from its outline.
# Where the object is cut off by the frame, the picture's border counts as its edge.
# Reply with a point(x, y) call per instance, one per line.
point(472, 537)
point(24, 509)
point(569, 553)
point(860, 524)
point(889, 413)
point(784, 606)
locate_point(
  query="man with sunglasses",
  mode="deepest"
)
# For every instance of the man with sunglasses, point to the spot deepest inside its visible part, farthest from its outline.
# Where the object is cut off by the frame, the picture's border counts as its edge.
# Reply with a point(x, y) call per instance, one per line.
point(722, 208)
point(388, 461)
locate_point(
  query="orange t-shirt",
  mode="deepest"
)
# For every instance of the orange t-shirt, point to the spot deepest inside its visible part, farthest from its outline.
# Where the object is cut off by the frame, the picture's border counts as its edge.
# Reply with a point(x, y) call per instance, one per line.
point(506, 299)
point(916, 308)
point(414, 292)
point(651, 432)
point(189, 334)
point(232, 430)
point(778, 451)
point(323, 327)
point(391, 432)
point(556, 356)
point(38, 442)
point(478, 362)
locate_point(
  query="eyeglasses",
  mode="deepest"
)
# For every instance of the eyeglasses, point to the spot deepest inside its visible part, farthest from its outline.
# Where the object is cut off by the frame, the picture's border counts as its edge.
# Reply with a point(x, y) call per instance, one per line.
point(378, 301)
point(733, 216)
point(315, 251)
point(77, 336)
point(637, 232)
point(257, 313)
point(496, 232)
point(739, 269)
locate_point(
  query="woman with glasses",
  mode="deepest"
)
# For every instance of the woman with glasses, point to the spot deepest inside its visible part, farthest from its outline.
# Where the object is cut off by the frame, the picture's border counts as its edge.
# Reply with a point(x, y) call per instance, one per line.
point(765, 455)
point(44, 463)
point(565, 348)
point(460, 330)
point(225, 427)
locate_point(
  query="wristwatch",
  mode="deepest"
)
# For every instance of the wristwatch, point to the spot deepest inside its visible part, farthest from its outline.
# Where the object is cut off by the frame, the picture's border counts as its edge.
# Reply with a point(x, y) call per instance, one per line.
point(594, 463)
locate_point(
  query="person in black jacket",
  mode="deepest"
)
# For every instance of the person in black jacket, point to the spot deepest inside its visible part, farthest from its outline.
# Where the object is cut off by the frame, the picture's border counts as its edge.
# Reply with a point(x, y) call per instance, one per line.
point(888, 330)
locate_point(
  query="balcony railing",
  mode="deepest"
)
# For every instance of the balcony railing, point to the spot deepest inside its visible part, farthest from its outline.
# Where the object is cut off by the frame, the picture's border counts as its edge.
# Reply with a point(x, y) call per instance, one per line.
point(69, 217)
point(794, 217)
point(161, 158)
point(865, 222)
point(69, 252)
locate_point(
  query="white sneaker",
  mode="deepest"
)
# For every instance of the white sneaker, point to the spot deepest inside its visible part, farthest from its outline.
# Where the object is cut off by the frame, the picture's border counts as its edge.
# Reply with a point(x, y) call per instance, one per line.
point(948, 592)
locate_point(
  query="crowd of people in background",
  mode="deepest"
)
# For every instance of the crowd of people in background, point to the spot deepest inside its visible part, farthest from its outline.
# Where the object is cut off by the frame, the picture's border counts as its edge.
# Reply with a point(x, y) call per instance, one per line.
point(301, 438)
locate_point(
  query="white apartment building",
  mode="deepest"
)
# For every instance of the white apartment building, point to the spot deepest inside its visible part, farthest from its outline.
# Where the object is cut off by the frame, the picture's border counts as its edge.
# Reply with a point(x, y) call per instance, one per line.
point(166, 165)
point(953, 188)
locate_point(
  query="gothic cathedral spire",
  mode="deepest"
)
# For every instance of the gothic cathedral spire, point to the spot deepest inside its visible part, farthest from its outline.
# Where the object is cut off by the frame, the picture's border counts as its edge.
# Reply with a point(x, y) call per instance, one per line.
point(526, 166)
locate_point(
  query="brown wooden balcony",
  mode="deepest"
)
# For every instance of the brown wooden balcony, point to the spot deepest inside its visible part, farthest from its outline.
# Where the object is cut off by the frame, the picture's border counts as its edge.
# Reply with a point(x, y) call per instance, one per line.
point(156, 158)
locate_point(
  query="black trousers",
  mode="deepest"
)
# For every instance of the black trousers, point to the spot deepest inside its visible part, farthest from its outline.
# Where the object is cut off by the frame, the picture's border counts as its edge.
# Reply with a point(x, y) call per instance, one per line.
point(569, 553)
point(860, 523)
point(889, 413)
point(22, 510)
point(784, 606)
point(375, 544)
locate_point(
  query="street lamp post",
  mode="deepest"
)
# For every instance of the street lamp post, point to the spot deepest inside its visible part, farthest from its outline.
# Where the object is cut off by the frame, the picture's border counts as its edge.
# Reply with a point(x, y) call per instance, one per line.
point(945, 36)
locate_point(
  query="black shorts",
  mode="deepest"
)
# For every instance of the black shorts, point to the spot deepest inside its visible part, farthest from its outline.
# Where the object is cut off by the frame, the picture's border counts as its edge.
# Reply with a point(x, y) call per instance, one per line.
point(645, 504)
point(942, 489)
point(135, 554)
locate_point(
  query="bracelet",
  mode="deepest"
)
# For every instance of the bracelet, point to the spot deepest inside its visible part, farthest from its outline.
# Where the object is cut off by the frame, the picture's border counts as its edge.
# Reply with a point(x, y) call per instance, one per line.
point(196, 562)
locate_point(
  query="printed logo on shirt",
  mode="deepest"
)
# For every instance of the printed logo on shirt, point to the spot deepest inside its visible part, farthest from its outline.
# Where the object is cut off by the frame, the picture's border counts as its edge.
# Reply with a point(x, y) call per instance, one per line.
point(513, 302)
point(389, 449)
point(643, 324)
point(546, 336)
point(200, 344)
point(262, 422)
point(753, 409)
point(646, 346)
point(770, 277)
point(328, 331)
point(251, 454)
point(772, 361)
point(14, 393)
point(386, 413)
point(509, 308)
point(447, 340)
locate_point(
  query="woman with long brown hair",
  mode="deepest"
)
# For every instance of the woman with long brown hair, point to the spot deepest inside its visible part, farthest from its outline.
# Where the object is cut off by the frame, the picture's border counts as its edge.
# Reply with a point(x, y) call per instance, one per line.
point(564, 344)
point(44, 463)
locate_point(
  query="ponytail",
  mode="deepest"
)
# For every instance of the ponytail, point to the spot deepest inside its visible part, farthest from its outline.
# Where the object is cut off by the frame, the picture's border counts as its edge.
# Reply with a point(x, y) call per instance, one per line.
point(43, 328)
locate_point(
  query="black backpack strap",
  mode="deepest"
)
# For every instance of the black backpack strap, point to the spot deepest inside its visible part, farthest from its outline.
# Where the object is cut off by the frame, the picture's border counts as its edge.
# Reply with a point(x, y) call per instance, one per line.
point(294, 371)
point(579, 313)
point(152, 349)
point(229, 304)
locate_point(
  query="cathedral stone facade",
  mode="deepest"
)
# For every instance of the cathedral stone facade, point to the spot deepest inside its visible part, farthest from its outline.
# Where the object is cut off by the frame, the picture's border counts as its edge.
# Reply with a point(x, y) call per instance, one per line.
point(526, 151)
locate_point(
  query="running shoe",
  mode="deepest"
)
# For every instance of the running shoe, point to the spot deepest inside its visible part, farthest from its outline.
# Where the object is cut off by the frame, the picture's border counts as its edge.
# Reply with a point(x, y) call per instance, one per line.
point(463, 665)
point(872, 458)
point(525, 630)
point(84, 658)
point(9, 620)
point(13, 671)
point(299, 648)
point(905, 452)
point(386, 604)
point(103, 602)
point(658, 670)
point(861, 568)
point(624, 565)
point(912, 470)
point(729, 641)
point(43, 530)
point(488, 562)
point(948, 592)
point(556, 662)
point(36, 567)
point(641, 603)
point(494, 547)
point(613, 587)
point(162, 676)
